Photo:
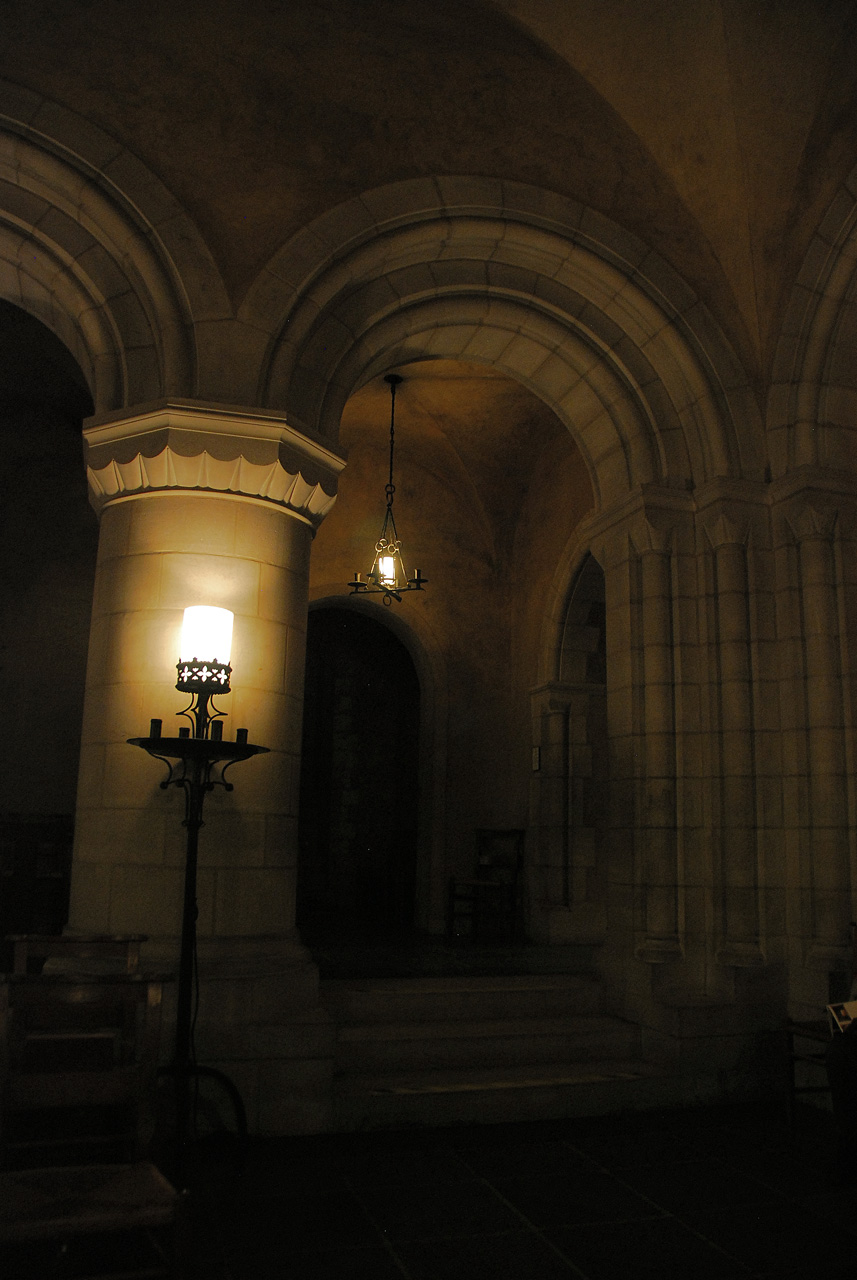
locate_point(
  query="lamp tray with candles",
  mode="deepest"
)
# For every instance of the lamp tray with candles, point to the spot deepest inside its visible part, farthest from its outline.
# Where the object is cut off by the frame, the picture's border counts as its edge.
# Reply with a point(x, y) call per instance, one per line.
point(206, 630)
point(202, 752)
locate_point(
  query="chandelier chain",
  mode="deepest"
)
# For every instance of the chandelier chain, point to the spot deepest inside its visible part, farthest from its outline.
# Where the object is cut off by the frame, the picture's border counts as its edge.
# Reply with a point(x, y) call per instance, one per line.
point(387, 576)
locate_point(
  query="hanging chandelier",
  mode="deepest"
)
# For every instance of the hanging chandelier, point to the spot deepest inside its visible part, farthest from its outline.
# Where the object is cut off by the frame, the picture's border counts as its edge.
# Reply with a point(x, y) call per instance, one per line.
point(387, 577)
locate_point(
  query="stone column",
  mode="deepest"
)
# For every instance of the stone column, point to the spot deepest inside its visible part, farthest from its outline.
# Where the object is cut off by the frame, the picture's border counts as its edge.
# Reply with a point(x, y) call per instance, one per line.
point(568, 904)
point(829, 869)
point(737, 872)
point(550, 799)
point(203, 505)
point(658, 871)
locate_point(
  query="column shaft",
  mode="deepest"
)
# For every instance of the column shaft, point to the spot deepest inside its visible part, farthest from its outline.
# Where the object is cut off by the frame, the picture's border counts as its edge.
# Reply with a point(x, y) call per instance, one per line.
point(739, 881)
point(158, 553)
point(829, 859)
point(658, 820)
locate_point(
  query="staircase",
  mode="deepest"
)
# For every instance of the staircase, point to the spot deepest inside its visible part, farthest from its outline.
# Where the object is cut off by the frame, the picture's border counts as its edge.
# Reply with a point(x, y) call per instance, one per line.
point(456, 1049)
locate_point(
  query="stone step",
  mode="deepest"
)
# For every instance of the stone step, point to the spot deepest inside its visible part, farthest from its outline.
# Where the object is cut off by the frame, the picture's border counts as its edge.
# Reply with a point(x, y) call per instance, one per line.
point(466, 1043)
point(466, 997)
point(481, 1096)
point(473, 1048)
point(427, 957)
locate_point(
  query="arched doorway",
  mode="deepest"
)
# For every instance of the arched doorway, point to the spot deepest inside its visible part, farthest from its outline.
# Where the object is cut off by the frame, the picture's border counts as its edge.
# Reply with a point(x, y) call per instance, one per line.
point(359, 790)
point(49, 538)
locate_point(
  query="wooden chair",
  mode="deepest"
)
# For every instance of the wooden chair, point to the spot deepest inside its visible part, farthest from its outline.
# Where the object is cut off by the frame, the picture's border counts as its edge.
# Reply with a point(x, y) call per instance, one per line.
point(79, 1056)
point(489, 904)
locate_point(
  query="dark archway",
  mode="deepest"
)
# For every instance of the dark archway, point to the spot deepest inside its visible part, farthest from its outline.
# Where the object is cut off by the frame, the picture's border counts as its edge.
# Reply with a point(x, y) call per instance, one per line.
point(49, 540)
point(48, 547)
point(359, 781)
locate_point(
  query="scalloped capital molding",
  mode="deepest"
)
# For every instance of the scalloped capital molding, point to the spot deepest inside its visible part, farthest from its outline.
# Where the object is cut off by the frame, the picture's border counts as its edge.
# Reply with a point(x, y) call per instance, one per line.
point(181, 445)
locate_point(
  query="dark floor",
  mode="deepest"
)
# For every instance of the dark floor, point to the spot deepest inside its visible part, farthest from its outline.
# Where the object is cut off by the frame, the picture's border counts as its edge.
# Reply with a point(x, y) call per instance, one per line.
point(699, 1194)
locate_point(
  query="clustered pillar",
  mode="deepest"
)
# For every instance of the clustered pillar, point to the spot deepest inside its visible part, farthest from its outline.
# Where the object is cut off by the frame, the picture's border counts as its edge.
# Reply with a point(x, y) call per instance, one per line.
point(737, 880)
point(829, 905)
point(659, 870)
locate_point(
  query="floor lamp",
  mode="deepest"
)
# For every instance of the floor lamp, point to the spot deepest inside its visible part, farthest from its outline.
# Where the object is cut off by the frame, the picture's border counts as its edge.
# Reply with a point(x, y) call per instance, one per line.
point(197, 761)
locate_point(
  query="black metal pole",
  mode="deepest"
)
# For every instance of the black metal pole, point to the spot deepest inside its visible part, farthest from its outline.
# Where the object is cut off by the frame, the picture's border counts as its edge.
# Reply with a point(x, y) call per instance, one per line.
point(196, 757)
point(182, 1062)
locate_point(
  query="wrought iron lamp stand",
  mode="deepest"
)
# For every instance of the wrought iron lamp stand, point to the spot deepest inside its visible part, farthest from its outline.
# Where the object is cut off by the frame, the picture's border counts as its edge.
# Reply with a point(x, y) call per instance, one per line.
point(196, 763)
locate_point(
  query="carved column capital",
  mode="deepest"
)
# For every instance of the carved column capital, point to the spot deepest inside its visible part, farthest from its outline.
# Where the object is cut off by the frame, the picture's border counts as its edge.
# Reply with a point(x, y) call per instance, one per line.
point(726, 530)
point(183, 445)
point(654, 519)
point(649, 536)
point(811, 521)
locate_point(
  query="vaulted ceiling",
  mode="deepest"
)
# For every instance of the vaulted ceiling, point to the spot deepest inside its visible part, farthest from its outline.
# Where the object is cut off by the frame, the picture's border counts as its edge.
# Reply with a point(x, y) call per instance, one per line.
point(717, 131)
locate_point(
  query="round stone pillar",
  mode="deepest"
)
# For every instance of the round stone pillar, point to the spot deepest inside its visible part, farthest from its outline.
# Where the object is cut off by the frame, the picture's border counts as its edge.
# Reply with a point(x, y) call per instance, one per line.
point(201, 505)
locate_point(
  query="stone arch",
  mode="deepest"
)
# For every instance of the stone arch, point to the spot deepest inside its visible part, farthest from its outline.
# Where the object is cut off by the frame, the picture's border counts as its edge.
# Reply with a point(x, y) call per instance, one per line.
point(592, 398)
point(813, 399)
point(556, 295)
point(95, 247)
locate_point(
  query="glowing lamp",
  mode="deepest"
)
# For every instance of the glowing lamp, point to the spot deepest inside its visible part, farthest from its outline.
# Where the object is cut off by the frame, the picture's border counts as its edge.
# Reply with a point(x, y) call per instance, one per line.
point(206, 633)
point(387, 575)
point(387, 570)
point(205, 649)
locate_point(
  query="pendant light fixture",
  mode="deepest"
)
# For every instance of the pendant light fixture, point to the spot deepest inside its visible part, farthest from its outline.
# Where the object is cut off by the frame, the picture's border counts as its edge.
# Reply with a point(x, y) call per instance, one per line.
point(387, 577)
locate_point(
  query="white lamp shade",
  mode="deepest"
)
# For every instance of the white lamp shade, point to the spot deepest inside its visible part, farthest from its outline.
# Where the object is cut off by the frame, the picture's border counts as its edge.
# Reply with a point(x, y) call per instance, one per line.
point(206, 634)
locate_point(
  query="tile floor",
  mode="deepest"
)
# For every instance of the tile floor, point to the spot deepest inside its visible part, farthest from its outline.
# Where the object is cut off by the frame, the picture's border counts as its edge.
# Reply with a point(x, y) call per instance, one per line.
point(705, 1194)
